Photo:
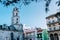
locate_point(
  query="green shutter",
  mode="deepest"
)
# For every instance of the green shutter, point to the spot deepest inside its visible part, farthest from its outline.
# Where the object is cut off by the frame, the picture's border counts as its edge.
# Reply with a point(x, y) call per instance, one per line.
point(39, 35)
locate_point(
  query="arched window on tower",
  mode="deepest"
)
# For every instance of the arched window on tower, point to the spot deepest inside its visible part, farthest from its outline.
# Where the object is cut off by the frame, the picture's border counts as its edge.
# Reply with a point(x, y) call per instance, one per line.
point(16, 20)
point(30, 39)
point(16, 14)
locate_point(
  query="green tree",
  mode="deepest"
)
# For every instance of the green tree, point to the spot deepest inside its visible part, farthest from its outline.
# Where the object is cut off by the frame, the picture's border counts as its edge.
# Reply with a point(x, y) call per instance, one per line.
point(45, 35)
point(27, 2)
point(48, 3)
point(20, 2)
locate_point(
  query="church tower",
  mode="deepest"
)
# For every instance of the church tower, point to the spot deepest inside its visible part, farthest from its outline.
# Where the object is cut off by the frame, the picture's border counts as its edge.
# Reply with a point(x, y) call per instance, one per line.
point(16, 18)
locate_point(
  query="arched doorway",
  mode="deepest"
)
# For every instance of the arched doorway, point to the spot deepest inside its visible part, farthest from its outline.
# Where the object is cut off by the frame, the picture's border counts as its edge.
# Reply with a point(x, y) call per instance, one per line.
point(30, 39)
point(18, 38)
point(51, 37)
point(56, 36)
point(12, 36)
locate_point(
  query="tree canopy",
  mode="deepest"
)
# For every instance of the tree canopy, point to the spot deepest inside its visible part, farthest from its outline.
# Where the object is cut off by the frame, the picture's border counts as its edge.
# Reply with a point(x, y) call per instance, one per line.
point(48, 3)
point(27, 2)
point(8, 2)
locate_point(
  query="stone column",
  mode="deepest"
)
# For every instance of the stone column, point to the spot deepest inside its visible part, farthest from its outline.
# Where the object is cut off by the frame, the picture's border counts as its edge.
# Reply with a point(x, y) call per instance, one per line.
point(36, 34)
point(59, 37)
point(49, 38)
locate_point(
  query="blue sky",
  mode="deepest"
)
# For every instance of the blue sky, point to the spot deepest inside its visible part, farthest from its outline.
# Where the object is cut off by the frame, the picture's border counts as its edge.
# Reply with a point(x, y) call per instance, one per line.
point(31, 15)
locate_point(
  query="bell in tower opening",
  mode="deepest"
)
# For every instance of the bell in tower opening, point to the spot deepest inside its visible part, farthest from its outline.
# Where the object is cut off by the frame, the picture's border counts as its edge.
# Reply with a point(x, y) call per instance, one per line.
point(16, 18)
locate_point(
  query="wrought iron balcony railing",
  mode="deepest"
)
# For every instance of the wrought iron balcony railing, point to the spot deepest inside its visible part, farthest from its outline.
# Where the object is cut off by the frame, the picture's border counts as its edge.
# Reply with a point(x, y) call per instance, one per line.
point(54, 28)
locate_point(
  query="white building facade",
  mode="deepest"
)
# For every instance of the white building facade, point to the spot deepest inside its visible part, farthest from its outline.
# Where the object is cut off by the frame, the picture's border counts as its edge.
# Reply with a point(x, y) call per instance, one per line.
point(33, 34)
point(53, 24)
point(15, 30)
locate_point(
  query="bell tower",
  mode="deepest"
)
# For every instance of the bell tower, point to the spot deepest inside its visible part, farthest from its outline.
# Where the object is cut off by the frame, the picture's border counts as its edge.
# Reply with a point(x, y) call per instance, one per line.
point(16, 18)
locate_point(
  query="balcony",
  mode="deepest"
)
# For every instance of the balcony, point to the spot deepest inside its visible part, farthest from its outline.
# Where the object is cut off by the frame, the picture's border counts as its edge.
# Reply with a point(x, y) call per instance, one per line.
point(54, 28)
point(58, 19)
point(53, 21)
point(49, 22)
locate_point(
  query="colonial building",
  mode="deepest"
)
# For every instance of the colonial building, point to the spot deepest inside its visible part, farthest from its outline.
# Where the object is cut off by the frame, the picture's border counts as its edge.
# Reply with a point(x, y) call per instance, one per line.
point(39, 34)
point(33, 34)
point(29, 34)
point(53, 24)
point(15, 30)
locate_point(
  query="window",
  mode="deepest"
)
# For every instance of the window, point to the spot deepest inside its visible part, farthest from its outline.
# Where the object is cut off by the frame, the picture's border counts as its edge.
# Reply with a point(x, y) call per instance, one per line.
point(32, 33)
point(12, 36)
point(28, 34)
point(30, 39)
point(53, 24)
point(39, 35)
point(59, 27)
point(0, 26)
point(16, 22)
point(49, 22)
point(49, 25)
point(59, 23)
point(54, 28)
point(17, 38)
point(48, 18)
point(16, 9)
point(8, 28)
point(50, 29)
point(17, 18)
point(59, 19)
point(16, 14)
point(53, 21)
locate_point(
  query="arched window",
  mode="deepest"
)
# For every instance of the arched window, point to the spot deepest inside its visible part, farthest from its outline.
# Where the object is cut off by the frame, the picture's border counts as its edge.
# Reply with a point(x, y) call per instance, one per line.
point(30, 39)
point(17, 38)
point(56, 36)
point(12, 36)
point(51, 37)
point(16, 20)
point(16, 14)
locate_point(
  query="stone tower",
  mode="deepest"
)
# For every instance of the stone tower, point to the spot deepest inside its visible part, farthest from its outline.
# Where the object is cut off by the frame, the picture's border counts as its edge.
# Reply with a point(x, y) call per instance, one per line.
point(16, 18)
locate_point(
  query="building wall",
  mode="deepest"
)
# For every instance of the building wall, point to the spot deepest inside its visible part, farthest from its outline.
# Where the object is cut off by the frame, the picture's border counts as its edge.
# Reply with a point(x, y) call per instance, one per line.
point(32, 34)
point(50, 22)
point(51, 19)
point(29, 36)
point(6, 35)
point(53, 24)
